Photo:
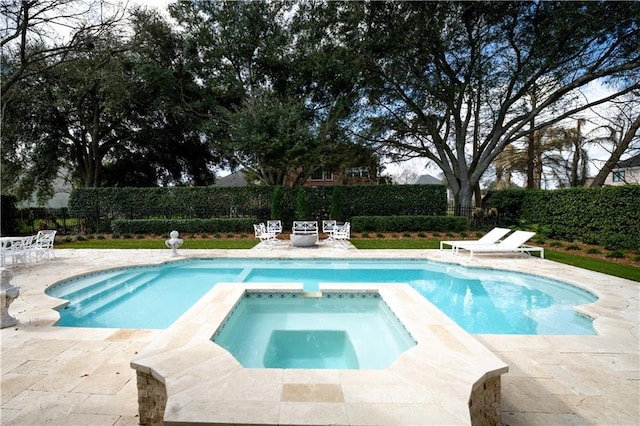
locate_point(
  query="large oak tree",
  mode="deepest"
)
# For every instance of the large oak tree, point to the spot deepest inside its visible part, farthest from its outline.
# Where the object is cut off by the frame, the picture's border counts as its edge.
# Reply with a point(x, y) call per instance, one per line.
point(452, 81)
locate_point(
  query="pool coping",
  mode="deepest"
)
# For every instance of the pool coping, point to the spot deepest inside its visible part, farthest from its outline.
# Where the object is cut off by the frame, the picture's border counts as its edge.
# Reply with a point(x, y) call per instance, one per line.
point(448, 377)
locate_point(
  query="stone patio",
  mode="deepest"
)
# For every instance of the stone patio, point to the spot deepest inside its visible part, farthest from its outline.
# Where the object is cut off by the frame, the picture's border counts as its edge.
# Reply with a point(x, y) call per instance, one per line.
point(77, 376)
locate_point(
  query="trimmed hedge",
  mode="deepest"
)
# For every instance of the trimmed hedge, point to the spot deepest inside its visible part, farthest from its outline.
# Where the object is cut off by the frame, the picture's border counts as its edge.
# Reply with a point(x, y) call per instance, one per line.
point(408, 223)
point(164, 226)
point(99, 206)
point(607, 216)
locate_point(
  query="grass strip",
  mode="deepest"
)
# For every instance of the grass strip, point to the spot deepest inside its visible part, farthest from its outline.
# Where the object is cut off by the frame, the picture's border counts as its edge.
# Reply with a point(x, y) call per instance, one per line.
point(598, 265)
point(395, 244)
point(156, 244)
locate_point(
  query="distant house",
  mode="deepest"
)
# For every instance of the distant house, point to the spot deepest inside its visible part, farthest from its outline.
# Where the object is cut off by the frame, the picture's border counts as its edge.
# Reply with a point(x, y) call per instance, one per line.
point(626, 172)
point(427, 180)
point(431, 180)
point(349, 176)
point(318, 178)
point(236, 178)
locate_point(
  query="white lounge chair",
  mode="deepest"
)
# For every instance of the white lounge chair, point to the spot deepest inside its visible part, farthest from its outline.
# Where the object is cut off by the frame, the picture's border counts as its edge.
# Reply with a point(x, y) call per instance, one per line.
point(514, 243)
point(490, 237)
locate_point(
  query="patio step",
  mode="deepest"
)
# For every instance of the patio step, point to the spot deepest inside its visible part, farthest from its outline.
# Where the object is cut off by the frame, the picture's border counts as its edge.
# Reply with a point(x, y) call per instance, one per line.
point(110, 293)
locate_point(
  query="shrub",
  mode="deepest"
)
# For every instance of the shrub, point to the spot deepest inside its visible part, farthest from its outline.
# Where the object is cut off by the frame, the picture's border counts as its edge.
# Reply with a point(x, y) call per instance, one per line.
point(302, 205)
point(607, 216)
point(615, 254)
point(336, 211)
point(593, 251)
point(572, 247)
point(184, 226)
point(408, 223)
point(276, 203)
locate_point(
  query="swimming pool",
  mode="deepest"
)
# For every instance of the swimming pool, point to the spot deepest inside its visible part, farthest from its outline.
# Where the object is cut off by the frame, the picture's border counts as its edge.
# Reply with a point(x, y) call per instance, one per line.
point(481, 301)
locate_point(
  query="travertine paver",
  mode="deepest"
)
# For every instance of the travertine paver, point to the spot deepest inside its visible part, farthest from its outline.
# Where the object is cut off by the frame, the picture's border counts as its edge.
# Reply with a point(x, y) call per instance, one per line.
point(555, 380)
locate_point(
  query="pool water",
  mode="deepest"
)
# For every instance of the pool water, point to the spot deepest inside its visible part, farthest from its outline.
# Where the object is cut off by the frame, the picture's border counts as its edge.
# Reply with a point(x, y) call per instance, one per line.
point(337, 331)
point(481, 301)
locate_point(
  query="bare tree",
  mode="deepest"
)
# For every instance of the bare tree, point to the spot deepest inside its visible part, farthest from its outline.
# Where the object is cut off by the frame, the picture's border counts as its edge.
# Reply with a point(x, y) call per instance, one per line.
point(619, 134)
point(41, 33)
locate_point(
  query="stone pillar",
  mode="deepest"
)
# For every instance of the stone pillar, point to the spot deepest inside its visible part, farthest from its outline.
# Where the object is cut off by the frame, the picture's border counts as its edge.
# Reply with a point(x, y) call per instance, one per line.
point(8, 293)
point(152, 399)
point(485, 404)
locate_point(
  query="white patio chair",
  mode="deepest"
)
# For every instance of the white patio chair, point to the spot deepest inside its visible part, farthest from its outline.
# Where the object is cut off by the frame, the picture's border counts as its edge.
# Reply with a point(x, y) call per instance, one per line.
point(267, 237)
point(43, 244)
point(342, 234)
point(20, 250)
point(327, 228)
point(274, 226)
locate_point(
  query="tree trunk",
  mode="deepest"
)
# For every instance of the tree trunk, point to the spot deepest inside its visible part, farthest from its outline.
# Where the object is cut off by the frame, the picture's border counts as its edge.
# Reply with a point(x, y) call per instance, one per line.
point(617, 153)
point(531, 149)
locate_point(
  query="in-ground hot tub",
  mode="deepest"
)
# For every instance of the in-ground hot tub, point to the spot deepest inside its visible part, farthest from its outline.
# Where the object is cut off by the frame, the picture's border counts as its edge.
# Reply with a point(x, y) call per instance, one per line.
point(330, 330)
point(448, 377)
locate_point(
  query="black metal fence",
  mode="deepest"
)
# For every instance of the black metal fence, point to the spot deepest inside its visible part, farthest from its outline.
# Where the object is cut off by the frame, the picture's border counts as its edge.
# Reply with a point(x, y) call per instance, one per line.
point(32, 220)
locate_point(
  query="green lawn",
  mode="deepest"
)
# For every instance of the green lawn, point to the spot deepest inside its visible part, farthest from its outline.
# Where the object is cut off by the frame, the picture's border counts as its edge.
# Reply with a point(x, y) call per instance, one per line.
point(156, 244)
point(599, 265)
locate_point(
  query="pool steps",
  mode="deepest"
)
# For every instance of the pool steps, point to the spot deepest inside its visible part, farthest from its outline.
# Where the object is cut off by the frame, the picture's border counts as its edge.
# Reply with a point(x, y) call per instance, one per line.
point(65, 290)
point(102, 293)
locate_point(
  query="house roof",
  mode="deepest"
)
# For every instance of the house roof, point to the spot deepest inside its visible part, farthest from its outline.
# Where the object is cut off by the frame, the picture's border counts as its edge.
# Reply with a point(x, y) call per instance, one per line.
point(427, 180)
point(234, 179)
point(629, 162)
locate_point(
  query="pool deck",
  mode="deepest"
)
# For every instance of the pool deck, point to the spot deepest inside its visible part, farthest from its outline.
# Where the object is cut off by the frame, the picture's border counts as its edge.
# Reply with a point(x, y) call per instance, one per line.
point(78, 376)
